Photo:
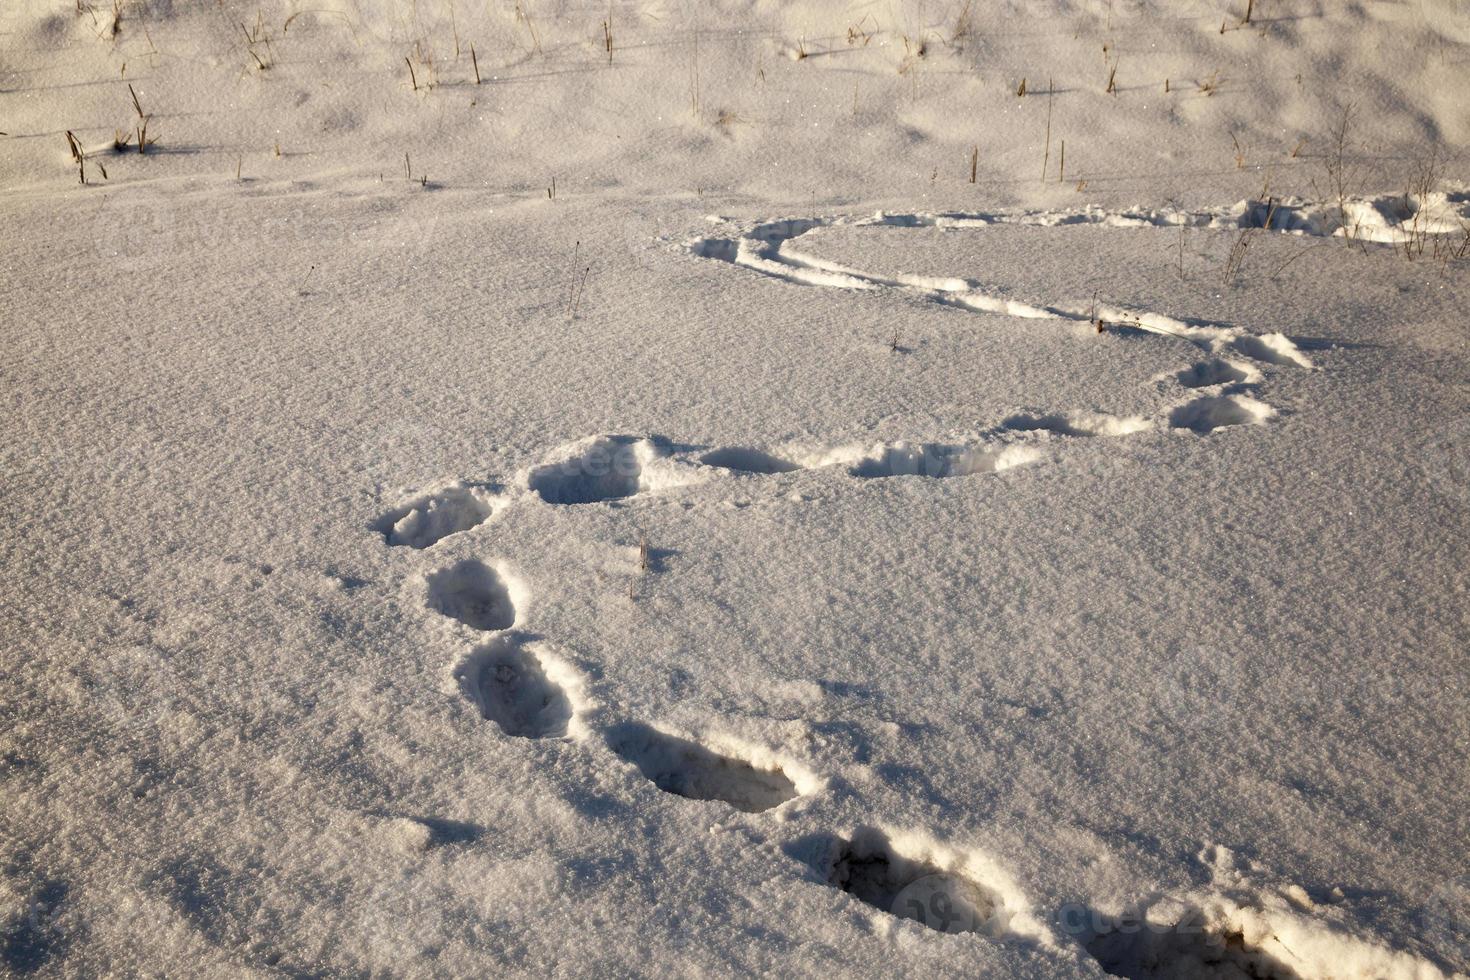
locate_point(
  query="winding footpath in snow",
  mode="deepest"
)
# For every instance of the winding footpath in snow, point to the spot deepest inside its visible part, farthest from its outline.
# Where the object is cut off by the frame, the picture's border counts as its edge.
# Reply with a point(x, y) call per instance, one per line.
point(1225, 380)
point(528, 690)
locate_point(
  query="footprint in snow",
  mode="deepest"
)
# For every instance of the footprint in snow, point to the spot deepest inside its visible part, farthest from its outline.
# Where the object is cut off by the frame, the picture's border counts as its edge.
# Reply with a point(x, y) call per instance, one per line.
point(871, 869)
point(1217, 371)
point(1205, 415)
point(606, 468)
point(939, 460)
point(767, 248)
point(520, 686)
point(690, 770)
point(1271, 348)
point(428, 519)
point(741, 460)
point(473, 593)
point(1078, 425)
point(1144, 946)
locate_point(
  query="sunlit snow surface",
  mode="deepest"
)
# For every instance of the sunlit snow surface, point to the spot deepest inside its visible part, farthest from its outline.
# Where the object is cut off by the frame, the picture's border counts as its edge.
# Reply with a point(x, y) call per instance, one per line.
point(658, 516)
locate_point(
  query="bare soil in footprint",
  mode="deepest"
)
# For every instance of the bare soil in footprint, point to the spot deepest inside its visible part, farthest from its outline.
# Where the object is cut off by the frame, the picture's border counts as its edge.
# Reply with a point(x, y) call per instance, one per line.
point(508, 683)
point(471, 592)
point(690, 770)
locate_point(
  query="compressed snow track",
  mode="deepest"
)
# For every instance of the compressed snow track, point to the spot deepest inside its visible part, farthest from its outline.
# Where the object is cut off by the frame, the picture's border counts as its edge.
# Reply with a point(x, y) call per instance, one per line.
point(765, 247)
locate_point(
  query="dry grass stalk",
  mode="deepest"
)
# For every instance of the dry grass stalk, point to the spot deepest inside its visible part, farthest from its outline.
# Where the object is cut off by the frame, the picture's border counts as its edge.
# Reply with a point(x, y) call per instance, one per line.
point(1046, 153)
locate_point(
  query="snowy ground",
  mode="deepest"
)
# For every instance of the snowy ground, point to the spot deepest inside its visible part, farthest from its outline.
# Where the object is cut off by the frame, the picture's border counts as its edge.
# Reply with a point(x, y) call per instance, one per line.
point(770, 550)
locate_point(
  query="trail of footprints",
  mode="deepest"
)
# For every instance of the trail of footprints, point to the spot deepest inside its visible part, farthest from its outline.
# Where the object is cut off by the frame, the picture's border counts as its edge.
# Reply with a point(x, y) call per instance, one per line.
point(528, 691)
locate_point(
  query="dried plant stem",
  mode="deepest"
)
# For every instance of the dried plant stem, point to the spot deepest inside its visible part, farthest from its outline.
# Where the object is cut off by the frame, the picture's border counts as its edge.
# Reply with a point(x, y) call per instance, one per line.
point(1046, 154)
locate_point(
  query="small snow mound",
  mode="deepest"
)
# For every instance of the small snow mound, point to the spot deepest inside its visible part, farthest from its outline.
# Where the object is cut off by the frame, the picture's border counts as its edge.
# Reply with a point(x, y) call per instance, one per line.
point(428, 519)
point(407, 835)
point(783, 229)
point(523, 689)
point(1205, 415)
point(989, 461)
point(473, 593)
point(1114, 425)
point(690, 770)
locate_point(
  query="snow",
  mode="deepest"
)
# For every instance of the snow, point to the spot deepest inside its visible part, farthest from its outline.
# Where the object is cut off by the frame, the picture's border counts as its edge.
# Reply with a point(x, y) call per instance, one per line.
point(658, 515)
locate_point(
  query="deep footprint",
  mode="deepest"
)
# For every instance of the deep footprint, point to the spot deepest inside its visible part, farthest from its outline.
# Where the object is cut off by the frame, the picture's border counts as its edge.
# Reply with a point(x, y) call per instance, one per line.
point(606, 468)
point(429, 519)
point(1129, 946)
point(472, 593)
point(868, 868)
point(1057, 423)
point(508, 683)
point(1205, 415)
point(743, 460)
point(1272, 348)
point(938, 460)
point(690, 770)
point(1080, 425)
point(1216, 371)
